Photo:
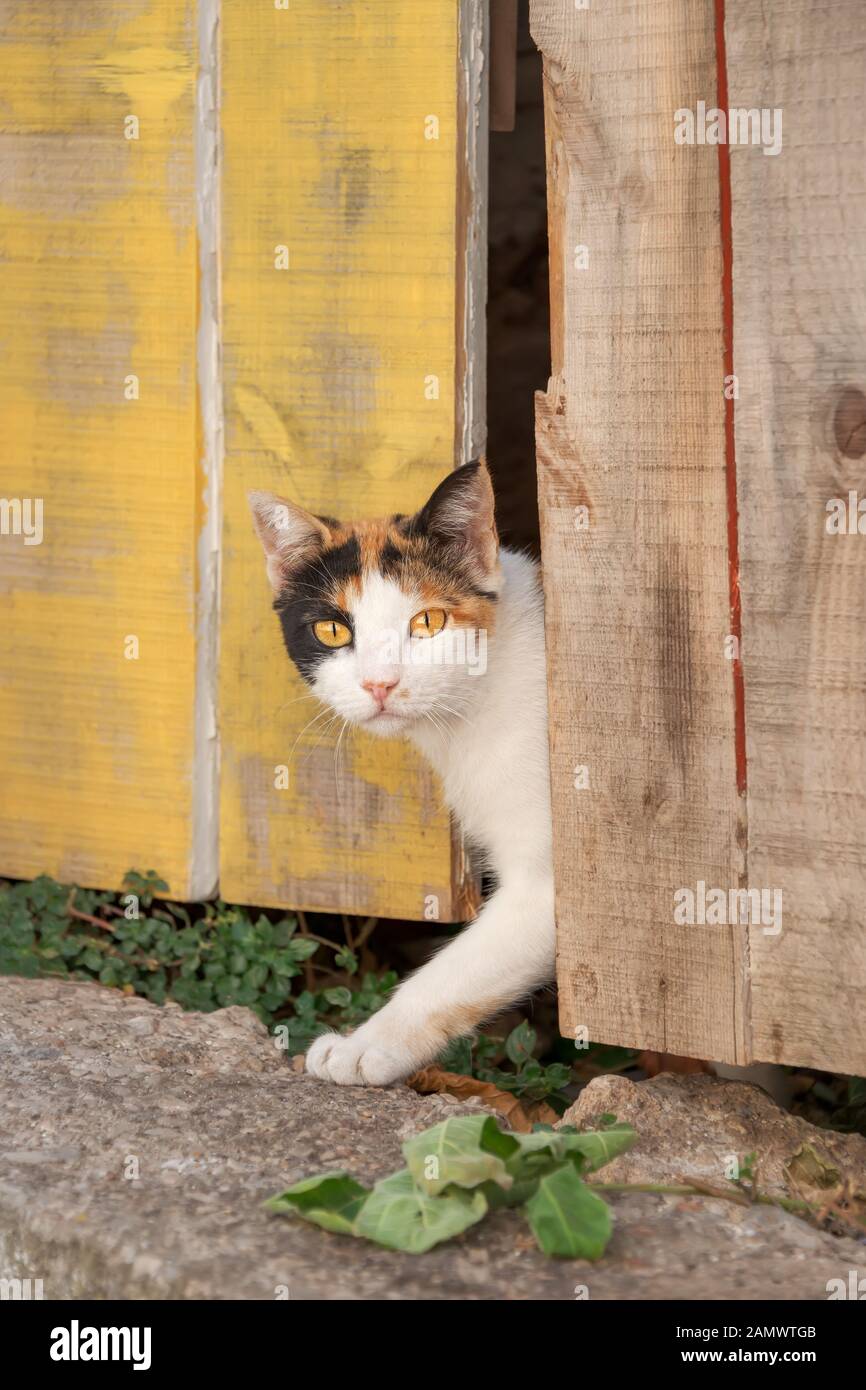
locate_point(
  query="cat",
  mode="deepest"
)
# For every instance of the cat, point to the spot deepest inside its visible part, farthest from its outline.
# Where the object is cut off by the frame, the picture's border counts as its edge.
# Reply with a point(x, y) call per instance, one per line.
point(381, 618)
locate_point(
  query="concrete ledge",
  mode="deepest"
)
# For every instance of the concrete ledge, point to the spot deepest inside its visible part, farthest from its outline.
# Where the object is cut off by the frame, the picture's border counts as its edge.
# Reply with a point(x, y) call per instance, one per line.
point(96, 1086)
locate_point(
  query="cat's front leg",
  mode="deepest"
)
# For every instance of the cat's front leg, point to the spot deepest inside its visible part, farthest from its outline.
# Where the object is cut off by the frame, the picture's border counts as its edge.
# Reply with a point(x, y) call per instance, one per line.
point(505, 954)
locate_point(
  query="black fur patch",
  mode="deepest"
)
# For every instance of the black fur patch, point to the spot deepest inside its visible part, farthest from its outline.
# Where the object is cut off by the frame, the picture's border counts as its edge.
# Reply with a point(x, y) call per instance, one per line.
point(427, 521)
point(440, 550)
point(309, 599)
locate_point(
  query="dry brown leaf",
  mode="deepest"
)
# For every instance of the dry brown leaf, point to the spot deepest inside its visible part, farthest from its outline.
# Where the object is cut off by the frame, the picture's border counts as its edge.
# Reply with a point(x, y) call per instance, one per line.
point(521, 1115)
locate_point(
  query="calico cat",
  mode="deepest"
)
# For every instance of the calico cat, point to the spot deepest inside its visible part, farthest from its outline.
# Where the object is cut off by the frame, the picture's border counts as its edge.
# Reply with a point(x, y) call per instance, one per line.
point(385, 620)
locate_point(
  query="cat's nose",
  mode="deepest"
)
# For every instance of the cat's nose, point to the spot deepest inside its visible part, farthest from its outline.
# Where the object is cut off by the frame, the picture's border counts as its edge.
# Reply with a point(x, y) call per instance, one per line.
point(380, 690)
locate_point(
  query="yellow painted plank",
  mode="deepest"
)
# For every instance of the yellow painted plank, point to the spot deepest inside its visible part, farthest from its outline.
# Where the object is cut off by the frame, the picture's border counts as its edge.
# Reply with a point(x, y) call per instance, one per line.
point(330, 398)
point(98, 283)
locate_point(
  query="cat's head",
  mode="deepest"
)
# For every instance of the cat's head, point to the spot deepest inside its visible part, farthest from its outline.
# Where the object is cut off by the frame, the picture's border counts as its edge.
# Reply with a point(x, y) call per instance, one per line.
point(387, 620)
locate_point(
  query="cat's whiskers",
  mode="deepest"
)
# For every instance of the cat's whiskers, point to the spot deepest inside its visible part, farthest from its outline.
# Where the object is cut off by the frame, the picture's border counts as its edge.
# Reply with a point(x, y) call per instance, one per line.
point(314, 720)
point(337, 751)
point(308, 696)
point(440, 729)
point(323, 733)
point(458, 714)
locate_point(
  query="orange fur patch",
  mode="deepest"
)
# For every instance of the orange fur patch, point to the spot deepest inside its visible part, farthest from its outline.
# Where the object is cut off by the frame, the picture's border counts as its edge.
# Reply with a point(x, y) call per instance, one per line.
point(415, 573)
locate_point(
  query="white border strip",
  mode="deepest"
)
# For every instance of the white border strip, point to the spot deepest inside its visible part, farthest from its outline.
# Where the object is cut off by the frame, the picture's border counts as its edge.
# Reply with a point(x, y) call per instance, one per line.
point(204, 866)
point(474, 75)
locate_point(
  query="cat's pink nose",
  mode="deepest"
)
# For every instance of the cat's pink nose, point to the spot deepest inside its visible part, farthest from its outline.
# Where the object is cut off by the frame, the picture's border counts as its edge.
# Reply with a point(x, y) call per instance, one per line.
point(380, 690)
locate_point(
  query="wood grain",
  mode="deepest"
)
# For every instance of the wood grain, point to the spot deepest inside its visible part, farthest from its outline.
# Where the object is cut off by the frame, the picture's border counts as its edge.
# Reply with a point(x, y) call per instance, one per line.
point(503, 64)
point(98, 281)
point(330, 398)
point(800, 356)
point(637, 606)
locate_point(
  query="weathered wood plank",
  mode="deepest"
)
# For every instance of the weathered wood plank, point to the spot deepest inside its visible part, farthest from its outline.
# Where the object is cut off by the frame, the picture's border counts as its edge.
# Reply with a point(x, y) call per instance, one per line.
point(98, 307)
point(799, 241)
point(349, 386)
point(631, 442)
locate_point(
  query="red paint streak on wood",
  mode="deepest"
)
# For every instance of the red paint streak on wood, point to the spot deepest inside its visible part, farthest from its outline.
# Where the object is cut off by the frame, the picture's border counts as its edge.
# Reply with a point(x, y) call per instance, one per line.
point(726, 221)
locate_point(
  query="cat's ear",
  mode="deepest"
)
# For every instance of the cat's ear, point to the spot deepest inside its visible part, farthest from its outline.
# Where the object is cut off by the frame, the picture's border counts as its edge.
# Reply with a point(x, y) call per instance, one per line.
point(289, 535)
point(461, 515)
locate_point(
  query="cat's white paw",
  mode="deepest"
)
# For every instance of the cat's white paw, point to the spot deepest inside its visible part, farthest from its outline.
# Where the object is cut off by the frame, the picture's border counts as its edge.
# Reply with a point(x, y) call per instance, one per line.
point(361, 1059)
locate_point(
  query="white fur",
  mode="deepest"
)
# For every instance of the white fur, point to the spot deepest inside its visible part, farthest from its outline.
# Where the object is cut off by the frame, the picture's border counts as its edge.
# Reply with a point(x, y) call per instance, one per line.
point(486, 736)
point(381, 614)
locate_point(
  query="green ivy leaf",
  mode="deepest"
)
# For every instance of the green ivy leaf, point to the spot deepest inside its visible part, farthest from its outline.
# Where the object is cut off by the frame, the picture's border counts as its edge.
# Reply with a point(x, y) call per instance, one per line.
point(467, 1150)
point(486, 1048)
point(457, 1057)
point(332, 1200)
point(284, 930)
point(567, 1218)
point(339, 998)
point(557, 1075)
point(301, 948)
point(589, 1150)
point(255, 977)
point(520, 1043)
point(399, 1215)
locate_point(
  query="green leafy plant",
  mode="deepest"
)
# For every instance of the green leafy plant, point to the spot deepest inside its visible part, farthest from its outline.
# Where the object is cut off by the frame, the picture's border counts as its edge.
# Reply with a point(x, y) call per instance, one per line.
point(337, 1008)
point(207, 956)
point(530, 1079)
point(747, 1168)
point(204, 958)
point(458, 1171)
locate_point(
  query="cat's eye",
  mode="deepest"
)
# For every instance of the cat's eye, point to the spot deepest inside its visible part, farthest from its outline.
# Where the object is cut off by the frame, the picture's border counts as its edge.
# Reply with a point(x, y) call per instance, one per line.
point(428, 623)
point(332, 634)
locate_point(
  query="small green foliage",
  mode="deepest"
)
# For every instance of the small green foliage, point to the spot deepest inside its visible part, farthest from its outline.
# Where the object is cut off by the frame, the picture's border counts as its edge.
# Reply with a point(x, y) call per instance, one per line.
point(459, 1170)
point(467, 1150)
point(144, 886)
point(530, 1080)
point(747, 1167)
point(396, 1213)
point(588, 1151)
point(520, 1044)
point(337, 1009)
point(567, 1218)
point(203, 958)
point(401, 1216)
point(332, 1201)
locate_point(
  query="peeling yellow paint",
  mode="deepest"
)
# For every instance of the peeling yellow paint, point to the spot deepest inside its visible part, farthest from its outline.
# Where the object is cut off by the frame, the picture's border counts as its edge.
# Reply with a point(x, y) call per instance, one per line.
point(328, 396)
point(327, 368)
point(98, 282)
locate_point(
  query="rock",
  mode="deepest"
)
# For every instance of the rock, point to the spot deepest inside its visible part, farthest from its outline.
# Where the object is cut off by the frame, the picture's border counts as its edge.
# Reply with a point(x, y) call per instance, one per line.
point(696, 1126)
point(138, 1143)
